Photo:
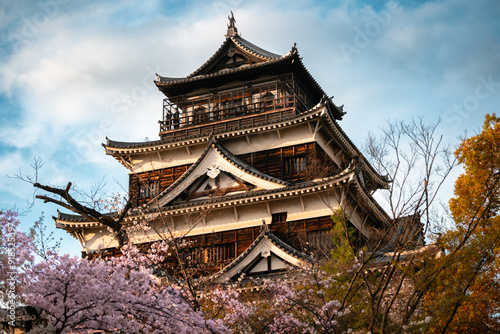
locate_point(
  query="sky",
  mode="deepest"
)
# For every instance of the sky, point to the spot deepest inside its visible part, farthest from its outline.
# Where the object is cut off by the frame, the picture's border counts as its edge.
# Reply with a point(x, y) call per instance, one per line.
point(73, 73)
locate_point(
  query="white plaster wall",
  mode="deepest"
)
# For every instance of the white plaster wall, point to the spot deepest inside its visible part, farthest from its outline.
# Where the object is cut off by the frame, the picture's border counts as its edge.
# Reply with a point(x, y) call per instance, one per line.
point(262, 141)
point(277, 263)
point(260, 267)
point(99, 238)
point(224, 219)
point(170, 158)
point(237, 145)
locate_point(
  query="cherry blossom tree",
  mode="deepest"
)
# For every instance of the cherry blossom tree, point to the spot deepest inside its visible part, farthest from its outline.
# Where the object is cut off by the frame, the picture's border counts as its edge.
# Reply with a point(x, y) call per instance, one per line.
point(16, 254)
point(44, 241)
point(81, 295)
point(283, 304)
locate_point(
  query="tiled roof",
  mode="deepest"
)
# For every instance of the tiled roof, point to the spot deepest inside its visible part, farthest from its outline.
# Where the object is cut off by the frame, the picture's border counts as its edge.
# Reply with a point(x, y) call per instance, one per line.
point(243, 45)
point(119, 144)
point(342, 177)
point(166, 81)
point(291, 58)
point(371, 202)
point(386, 256)
point(346, 176)
point(266, 59)
point(72, 218)
point(254, 49)
point(349, 144)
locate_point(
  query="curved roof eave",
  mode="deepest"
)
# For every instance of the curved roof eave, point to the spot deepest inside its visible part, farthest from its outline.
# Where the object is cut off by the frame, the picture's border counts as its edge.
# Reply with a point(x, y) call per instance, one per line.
point(347, 176)
point(70, 220)
point(254, 49)
point(376, 209)
point(112, 146)
point(340, 134)
point(165, 83)
point(344, 177)
point(171, 82)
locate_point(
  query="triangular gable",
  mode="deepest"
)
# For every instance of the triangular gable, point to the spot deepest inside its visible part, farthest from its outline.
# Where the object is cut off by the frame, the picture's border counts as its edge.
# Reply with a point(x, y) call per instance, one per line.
point(214, 160)
point(233, 53)
point(267, 254)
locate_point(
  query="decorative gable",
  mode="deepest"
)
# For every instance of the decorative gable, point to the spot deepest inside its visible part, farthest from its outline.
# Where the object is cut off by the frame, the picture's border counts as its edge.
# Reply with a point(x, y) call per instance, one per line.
point(267, 254)
point(216, 172)
point(267, 262)
point(234, 52)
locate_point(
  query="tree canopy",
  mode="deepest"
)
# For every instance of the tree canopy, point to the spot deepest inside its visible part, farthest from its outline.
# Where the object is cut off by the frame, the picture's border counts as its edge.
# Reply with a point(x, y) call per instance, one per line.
point(466, 297)
point(356, 287)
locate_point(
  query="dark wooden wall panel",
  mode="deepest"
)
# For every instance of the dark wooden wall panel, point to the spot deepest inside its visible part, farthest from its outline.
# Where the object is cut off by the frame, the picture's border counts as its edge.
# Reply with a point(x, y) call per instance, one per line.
point(164, 178)
point(194, 254)
point(271, 162)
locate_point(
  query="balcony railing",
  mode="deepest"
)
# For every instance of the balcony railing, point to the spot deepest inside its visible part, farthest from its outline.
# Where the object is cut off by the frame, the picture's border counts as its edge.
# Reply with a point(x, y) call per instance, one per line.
point(202, 121)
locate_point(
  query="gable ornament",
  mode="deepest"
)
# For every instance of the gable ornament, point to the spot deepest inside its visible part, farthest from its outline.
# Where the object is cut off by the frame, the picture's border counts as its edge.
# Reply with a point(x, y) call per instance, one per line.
point(213, 171)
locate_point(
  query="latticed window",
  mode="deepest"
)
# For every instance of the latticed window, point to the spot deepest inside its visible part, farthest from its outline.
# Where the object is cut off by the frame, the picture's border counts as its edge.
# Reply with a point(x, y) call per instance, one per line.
point(219, 253)
point(319, 240)
point(295, 164)
point(279, 217)
point(148, 189)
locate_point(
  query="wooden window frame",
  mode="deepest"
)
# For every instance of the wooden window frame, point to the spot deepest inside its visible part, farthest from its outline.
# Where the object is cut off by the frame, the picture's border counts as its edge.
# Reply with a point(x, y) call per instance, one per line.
point(295, 164)
point(147, 189)
point(279, 217)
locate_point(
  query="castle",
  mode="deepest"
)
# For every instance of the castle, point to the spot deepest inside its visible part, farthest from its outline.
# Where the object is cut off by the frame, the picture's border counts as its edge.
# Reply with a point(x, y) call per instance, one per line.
point(249, 167)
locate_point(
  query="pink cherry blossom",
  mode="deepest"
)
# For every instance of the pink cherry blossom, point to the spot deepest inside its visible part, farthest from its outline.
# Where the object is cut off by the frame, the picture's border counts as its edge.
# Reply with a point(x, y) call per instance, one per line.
point(16, 254)
point(80, 295)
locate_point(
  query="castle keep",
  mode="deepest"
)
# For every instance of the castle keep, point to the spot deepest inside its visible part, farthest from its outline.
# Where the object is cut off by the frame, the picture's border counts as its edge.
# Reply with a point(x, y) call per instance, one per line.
point(249, 165)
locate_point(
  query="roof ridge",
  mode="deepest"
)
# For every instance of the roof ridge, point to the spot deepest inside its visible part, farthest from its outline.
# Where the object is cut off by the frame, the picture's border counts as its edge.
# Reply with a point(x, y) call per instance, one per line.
point(77, 217)
point(116, 143)
point(355, 150)
point(254, 49)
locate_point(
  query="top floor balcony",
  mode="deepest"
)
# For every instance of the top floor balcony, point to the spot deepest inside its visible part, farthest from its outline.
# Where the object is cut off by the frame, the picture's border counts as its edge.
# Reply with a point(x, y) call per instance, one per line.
point(247, 105)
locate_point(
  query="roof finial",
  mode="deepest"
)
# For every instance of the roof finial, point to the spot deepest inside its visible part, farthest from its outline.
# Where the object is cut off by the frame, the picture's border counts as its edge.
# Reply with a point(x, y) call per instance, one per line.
point(264, 228)
point(231, 27)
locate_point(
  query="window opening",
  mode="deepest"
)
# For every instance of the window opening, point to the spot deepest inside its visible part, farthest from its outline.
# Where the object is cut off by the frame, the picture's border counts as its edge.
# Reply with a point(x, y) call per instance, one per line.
point(279, 217)
point(295, 164)
point(147, 189)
